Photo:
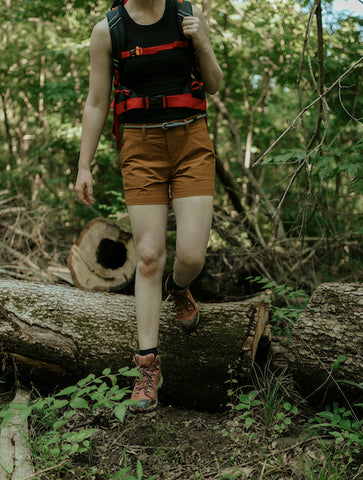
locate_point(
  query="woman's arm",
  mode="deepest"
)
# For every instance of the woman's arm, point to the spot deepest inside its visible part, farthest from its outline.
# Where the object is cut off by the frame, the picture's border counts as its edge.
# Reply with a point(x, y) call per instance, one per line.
point(196, 28)
point(96, 108)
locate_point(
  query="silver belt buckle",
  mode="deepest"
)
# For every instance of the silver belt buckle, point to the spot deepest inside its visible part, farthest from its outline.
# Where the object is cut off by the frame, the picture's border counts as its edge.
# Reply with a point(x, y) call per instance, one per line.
point(165, 126)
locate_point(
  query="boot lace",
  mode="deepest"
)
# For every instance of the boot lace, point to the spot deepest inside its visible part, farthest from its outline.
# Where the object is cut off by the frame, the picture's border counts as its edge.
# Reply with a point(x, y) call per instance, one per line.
point(146, 383)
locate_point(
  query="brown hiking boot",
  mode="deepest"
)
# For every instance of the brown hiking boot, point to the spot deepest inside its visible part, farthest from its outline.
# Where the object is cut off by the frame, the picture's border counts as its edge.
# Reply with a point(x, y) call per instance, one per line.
point(186, 308)
point(146, 387)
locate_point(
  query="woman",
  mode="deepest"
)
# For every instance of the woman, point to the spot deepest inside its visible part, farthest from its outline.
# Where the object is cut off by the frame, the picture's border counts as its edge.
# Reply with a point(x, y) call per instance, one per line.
point(167, 152)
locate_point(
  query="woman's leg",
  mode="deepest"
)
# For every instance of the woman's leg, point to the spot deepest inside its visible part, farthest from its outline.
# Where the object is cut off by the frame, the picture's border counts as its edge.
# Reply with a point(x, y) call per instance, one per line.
point(148, 224)
point(193, 223)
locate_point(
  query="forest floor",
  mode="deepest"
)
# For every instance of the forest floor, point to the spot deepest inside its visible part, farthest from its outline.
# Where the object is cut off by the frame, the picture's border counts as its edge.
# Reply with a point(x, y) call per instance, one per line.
point(177, 443)
point(269, 432)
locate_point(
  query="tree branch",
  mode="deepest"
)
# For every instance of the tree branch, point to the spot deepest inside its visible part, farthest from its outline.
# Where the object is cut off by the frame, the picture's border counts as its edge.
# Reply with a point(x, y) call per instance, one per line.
point(305, 109)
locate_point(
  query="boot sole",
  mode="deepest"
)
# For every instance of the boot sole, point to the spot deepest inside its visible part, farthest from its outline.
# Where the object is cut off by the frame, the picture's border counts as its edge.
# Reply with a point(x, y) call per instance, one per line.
point(193, 326)
point(152, 407)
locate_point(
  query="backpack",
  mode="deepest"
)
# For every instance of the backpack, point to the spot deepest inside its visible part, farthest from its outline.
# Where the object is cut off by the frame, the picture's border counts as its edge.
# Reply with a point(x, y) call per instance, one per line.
point(193, 95)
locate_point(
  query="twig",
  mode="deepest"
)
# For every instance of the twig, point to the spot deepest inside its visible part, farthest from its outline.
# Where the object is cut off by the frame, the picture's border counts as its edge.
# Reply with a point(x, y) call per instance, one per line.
point(63, 462)
point(305, 109)
point(358, 120)
point(5, 211)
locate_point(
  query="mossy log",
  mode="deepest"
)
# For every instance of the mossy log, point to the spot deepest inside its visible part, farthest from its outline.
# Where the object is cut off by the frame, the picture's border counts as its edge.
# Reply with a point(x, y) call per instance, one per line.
point(326, 348)
point(58, 334)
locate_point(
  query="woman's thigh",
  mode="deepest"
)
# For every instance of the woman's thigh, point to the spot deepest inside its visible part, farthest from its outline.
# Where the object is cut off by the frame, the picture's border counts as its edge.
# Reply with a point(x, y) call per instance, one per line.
point(193, 220)
point(148, 223)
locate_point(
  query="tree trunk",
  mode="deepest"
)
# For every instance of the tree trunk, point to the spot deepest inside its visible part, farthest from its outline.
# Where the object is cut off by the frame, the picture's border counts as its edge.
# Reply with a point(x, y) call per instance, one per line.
point(70, 332)
point(325, 353)
point(103, 258)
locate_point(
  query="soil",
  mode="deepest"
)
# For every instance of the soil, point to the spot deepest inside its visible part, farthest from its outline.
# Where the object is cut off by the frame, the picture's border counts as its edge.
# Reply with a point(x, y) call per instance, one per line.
point(175, 443)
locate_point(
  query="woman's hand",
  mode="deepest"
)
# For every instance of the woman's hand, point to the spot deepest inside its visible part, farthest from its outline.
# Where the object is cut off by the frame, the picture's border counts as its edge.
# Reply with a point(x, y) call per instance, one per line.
point(84, 187)
point(193, 29)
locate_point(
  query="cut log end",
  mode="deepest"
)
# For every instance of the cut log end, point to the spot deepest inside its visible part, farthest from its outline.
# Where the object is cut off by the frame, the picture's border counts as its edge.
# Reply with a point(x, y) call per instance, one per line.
point(257, 328)
point(103, 258)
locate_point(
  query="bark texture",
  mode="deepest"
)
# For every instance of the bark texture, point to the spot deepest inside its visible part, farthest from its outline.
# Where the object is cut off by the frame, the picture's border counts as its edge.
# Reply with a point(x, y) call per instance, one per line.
point(71, 332)
point(329, 330)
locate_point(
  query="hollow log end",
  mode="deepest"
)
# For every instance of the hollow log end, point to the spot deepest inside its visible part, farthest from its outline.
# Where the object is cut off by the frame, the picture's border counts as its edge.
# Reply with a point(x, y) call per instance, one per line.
point(103, 258)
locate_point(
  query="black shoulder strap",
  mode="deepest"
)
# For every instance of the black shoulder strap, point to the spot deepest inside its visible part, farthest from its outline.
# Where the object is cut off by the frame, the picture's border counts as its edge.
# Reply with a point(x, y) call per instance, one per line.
point(183, 9)
point(117, 32)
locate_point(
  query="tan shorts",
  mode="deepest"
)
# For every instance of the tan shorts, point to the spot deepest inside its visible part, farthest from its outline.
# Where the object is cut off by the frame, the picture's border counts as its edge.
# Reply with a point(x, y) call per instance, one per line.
point(155, 162)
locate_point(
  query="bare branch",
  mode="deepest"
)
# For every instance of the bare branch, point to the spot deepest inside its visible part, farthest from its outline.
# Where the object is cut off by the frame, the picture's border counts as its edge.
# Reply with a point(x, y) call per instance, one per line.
point(305, 109)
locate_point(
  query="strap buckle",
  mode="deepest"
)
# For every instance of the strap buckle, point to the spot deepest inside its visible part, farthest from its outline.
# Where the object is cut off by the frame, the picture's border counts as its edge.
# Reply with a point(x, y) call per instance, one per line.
point(135, 52)
point(197, 90)
point(155, 101)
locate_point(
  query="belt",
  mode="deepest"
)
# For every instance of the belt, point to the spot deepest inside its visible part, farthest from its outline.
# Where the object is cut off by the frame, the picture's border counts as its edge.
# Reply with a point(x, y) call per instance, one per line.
point(168, 125)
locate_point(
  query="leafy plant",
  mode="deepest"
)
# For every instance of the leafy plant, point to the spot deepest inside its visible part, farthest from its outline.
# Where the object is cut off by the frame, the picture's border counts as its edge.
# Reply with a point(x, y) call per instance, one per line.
point(341, 424)
point(57, 439)
point(283, 316)
point(267, 402)
point(246, 404)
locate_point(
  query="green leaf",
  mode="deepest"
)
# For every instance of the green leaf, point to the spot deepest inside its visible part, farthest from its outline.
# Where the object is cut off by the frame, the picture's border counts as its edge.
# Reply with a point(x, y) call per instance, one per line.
point(79, 402)
point(120, 412)
point(131, 373)
point(106, 371)
point(120, 475)
point(79, 436)
point(139, 470)
point(116, 397)
point(89, 378)
point(249, 421)
point(24, 414)
point(59, 423)
point(242, 406)
point(338, 361)
point(58, 404)
point(67, 391)
point(6, 415)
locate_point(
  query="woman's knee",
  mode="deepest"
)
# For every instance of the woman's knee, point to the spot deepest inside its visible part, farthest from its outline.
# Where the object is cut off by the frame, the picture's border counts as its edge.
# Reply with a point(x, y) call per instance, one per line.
point(191, 259)
point(151, 261)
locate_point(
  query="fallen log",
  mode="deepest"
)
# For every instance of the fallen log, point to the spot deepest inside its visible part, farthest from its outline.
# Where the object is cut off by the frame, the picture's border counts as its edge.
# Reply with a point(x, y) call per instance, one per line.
point(71, 332)
point(104, 257)
point(325, 352)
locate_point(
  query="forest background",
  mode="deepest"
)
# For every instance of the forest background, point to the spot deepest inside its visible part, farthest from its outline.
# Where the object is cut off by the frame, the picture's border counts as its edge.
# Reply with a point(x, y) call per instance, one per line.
point(285, 125)
point(287, 131)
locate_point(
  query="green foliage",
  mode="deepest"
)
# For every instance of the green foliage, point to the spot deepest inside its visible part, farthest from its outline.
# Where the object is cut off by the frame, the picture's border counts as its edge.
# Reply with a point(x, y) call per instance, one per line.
point(267, 403)
point(57, 437)
point(343, 426)
point(293, 304)
point(44, 51)
point(246, 403)
point(124, 474)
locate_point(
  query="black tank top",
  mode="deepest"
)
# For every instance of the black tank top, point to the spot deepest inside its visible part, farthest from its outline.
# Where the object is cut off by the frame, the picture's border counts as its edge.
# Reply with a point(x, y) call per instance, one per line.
point(165, 73)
